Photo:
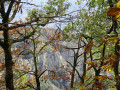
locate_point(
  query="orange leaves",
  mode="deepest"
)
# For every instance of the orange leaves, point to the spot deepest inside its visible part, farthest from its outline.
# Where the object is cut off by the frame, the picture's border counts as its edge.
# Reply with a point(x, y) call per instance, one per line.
point(38, 42)
point(72, 72)
point(21, 11)
point(111, 62)
point(55, 50)
point(52, 71)
point(62, 67)
point(2, 66)
point(103, 42)
point(89, 67)
point(50, 37)
point(100, 43)
point(103, 78)
point(113, 56)
point(91, 64)
point(16, 6)
point(113, 38)
point(114, 11)
point(89, 46)
point(105, 62)
point(103, 58)
point(98, 86)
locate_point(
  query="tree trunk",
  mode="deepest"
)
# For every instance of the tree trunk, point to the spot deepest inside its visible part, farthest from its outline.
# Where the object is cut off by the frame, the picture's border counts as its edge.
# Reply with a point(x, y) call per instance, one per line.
point(97, 72)
point(116, 64)
point(36, 70)
point(9, 71)
point(73, 74)
point(82, 80)
point(8, 62)
point(37, 81)
point(84, 65)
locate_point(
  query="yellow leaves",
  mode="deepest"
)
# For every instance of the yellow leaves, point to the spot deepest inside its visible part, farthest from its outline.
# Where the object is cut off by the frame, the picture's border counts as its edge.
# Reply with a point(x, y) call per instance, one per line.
point(89, 62)
point(107, 68)
point(112, 86)
point(82, 89)
point(113, 40)
point(118, 4)
point(114, 11)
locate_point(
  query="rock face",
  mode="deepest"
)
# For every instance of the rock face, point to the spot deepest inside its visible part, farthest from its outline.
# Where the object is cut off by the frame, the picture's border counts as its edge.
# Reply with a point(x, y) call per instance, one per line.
point(49, 60)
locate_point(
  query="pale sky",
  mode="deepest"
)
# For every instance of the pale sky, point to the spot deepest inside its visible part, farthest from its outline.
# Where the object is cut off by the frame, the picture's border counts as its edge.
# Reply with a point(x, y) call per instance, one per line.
point(38, 2)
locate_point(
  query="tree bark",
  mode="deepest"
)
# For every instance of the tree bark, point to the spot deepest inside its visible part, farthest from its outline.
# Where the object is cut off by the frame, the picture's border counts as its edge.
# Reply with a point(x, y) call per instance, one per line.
point(116, 65)
point(37, 81)
point(8, 61)
point(73, 74)
point(7, 45)
point(9, 71)
point(36, 70)
point(84, 65)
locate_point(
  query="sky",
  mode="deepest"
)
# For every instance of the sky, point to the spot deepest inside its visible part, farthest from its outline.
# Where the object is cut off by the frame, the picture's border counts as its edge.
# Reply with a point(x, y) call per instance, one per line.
point(37, 2)
point(43, 2)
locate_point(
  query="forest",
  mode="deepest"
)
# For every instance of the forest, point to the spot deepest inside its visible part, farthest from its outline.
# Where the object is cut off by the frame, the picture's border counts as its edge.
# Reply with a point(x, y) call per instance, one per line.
point(59, 45)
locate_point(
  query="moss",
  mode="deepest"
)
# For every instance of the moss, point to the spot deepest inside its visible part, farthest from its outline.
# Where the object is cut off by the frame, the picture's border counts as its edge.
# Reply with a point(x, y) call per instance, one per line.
point(10, 42)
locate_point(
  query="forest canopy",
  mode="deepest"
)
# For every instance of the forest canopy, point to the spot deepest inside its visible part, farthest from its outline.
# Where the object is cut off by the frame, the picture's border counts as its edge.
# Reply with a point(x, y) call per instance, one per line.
point(59, 44)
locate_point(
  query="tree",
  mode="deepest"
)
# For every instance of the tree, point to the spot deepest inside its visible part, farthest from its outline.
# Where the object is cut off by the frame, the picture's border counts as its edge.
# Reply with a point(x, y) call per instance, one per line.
point(8, 11)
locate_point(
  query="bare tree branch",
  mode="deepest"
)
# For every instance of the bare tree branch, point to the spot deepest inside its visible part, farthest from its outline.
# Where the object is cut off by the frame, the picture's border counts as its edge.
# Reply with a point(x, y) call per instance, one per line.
point(21, 25)
point(14, 13)
point(27, 3)
point(2, 10)
point(8, 11)
point(25, 37)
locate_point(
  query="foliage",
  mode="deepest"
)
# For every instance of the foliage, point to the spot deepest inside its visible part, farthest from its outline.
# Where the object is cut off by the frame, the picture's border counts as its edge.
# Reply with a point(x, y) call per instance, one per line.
point(94, 30)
